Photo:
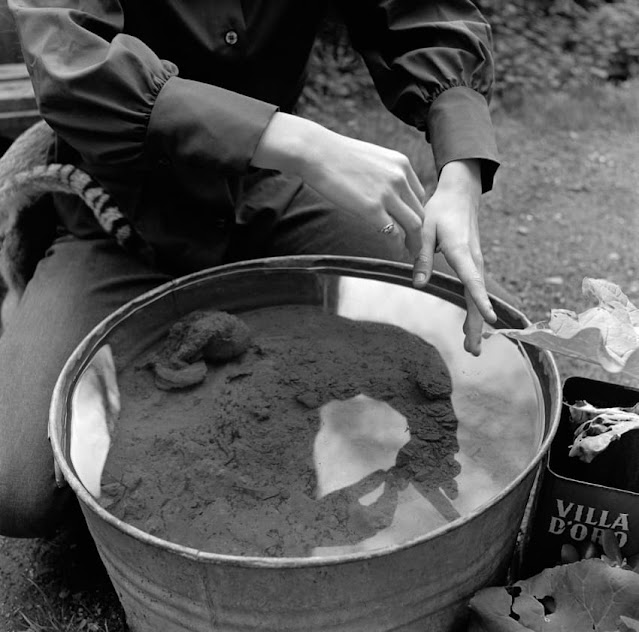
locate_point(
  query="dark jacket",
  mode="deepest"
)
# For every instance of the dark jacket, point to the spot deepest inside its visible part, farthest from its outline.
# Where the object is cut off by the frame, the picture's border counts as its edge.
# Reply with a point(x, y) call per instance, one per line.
point(164, 101)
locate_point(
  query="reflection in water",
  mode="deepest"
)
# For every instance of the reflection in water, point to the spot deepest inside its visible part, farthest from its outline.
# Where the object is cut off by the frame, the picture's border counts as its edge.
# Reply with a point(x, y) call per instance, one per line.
point(361, 454)
point(95, 406)
point(356, 437)
point(495, 397)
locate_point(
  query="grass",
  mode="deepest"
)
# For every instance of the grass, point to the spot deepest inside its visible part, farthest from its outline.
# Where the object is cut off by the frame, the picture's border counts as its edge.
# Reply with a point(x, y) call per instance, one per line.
point(593, 106)
point(47, 616)
point(61, 586)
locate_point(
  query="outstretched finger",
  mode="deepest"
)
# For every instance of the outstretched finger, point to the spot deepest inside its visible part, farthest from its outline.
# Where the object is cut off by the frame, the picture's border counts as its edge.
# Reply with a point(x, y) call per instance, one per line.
point(473, 280)
point(473, 326)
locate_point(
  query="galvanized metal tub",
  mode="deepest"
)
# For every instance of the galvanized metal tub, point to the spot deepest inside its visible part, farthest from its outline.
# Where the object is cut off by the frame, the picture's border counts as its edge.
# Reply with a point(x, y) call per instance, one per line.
point(421, 584)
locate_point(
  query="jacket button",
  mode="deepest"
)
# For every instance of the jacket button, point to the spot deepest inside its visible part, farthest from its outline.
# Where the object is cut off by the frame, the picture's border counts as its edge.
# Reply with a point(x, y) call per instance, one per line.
point(231, 38)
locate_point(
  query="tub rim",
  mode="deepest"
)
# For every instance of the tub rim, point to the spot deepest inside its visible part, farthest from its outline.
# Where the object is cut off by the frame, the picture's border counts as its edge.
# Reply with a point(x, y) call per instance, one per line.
point(363, 267)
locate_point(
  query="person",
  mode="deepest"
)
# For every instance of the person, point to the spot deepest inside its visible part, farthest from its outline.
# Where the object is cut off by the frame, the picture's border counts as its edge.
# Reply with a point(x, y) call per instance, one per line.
point(183, 112)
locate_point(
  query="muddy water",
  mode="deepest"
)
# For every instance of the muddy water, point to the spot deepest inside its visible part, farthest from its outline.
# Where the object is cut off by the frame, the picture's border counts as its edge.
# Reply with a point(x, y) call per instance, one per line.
point(342, 429)
point(496, 397)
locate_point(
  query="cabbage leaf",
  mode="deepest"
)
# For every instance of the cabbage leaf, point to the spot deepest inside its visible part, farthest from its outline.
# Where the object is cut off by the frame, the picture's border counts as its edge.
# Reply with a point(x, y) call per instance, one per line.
point(607, 334)
point(585, 596)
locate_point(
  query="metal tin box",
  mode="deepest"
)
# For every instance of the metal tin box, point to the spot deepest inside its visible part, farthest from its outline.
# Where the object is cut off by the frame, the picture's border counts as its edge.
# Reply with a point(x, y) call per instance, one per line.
point(578, 500)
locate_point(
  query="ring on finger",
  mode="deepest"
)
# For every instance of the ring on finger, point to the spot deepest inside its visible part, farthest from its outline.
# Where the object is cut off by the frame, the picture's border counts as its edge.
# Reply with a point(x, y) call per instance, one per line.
point(388, 229)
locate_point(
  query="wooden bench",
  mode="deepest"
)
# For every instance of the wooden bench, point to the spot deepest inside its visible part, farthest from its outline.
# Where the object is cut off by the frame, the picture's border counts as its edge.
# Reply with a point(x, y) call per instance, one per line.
point(18, 109)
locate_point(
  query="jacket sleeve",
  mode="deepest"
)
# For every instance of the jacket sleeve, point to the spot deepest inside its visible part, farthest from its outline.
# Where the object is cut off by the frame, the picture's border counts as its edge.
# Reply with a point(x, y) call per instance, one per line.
point(432, 65)
point(111, 98)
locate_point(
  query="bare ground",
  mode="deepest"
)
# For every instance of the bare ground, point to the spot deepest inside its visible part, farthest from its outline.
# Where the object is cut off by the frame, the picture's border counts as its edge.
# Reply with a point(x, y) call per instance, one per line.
point(565, 206)
point(566, 203)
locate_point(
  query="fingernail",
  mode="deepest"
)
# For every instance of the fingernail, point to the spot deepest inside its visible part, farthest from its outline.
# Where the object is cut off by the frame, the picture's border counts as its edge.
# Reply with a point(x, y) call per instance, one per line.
point(420, 278)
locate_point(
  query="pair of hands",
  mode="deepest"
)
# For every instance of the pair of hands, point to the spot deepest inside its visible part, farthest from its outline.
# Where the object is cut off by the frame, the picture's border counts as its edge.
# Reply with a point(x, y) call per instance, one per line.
point(381, 185)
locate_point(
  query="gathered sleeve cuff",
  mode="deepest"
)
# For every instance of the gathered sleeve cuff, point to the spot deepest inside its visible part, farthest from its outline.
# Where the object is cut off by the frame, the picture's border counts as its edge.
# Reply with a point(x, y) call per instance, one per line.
point(460, 128)
point(125, 110)
point(197, 129)
point(433, 68)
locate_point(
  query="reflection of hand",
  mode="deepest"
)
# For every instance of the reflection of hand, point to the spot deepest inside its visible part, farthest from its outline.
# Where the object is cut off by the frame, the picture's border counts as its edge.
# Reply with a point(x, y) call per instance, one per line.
point(416, 465)
point(342, 519)
point(450, 225)
point(357, 522)
point(377, 183)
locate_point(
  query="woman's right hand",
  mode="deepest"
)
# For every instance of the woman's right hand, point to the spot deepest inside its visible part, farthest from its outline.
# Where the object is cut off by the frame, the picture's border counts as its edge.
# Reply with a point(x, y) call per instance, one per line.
point(377, 183)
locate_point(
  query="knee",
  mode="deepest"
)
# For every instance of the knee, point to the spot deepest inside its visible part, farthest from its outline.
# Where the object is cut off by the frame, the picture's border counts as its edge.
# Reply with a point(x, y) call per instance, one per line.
point(31, 505)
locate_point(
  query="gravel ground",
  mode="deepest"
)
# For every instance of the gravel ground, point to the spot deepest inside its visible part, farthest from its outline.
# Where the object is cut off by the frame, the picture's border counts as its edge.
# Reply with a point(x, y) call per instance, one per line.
point(565, 206)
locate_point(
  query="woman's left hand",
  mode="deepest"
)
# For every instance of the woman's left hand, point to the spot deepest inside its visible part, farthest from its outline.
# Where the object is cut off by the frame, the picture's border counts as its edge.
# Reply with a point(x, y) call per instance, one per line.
point(450, 226)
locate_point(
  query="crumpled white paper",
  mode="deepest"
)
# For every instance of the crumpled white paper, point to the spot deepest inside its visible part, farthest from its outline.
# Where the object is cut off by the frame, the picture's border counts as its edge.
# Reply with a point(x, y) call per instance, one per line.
point(607, 334)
